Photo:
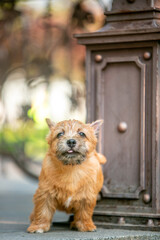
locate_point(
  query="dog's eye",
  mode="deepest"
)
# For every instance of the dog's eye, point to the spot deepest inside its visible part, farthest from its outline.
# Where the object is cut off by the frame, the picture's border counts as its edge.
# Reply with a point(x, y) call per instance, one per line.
point(82, 134)
point(60, 134)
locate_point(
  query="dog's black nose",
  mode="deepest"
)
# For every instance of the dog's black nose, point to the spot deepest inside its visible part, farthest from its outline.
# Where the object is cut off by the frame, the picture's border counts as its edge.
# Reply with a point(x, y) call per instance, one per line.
point(71, 143)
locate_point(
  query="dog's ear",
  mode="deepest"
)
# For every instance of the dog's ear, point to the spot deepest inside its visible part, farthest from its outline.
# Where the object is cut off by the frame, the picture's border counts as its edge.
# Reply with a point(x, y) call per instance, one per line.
point(49, 123)
point(96, 126)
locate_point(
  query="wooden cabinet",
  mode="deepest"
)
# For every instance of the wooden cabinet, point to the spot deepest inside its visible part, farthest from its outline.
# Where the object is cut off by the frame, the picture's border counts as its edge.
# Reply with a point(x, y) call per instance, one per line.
point(123, 88)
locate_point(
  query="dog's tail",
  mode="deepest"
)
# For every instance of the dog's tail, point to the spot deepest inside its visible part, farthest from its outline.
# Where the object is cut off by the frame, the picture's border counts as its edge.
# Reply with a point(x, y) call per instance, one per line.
point(101, 158)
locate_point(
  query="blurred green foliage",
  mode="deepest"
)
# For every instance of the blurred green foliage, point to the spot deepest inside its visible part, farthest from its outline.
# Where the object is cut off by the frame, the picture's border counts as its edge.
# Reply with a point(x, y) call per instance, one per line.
point(26, 140)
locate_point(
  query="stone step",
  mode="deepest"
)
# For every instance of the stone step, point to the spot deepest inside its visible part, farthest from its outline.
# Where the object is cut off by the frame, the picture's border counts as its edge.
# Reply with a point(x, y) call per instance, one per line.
point(17, 231)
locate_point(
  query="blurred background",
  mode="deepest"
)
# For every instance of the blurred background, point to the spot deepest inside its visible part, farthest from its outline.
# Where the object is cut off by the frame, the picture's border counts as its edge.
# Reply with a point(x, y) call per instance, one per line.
point(42, 74)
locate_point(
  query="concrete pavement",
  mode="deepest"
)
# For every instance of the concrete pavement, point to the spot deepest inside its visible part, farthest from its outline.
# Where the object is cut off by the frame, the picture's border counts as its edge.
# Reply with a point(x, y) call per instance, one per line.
point(15, 208)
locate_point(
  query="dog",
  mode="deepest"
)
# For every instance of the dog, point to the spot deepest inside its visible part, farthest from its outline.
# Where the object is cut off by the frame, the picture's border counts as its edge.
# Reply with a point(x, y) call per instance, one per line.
point(71, 176)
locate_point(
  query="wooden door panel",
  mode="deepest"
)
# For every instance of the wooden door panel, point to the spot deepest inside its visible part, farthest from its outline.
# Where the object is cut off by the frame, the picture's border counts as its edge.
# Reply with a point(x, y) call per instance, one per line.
point(121, 98)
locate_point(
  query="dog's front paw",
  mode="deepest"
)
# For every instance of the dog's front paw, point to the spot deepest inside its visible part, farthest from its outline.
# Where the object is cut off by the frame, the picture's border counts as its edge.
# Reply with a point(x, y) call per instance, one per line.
point(33, 228)
point(83, 226)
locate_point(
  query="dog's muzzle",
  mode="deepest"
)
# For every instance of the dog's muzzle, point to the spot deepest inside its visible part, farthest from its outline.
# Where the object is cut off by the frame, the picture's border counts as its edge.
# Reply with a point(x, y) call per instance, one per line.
point(71, 157)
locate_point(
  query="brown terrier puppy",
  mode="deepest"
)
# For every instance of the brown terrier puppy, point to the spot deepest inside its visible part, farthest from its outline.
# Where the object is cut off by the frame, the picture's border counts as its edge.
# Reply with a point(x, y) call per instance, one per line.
point(71, 176)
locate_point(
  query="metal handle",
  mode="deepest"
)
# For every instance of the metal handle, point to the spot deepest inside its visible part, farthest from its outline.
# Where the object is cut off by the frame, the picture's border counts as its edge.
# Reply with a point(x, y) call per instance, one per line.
point(122, 127)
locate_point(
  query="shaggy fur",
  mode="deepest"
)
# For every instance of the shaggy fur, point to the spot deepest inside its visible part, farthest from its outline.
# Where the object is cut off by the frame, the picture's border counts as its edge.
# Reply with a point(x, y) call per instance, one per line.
point(71, 176)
